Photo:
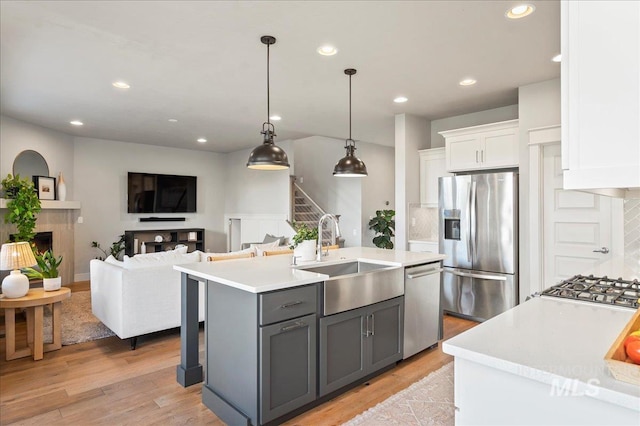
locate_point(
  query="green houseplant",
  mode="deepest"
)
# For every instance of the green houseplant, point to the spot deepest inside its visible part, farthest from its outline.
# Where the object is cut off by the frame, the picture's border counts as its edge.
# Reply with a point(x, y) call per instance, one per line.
point(47, 270)
point(116, 250)
point(304, 241)
point(23, 206)
point(384, 225)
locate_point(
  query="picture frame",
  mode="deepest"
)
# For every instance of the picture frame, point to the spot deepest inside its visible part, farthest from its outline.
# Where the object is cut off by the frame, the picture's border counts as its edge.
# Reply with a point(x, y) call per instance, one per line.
point(45, 187)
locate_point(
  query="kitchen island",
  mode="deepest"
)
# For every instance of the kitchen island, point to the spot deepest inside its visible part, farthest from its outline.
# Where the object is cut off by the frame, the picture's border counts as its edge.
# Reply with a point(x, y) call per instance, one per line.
point(542, 362)
point(274, 347)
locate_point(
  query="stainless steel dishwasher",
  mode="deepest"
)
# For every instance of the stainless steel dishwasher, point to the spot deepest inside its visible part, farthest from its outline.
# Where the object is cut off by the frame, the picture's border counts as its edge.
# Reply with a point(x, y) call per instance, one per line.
point(421, 307)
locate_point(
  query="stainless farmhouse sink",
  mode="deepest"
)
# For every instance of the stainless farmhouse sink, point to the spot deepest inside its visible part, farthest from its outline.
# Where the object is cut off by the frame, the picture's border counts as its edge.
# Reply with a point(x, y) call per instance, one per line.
point(355, 284)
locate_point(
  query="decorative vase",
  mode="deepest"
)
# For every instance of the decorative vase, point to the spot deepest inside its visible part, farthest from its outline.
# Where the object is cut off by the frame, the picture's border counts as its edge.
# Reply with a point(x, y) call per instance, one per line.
point(51, 284)
point(62, 188)
point(305, 250)
point(15, 285)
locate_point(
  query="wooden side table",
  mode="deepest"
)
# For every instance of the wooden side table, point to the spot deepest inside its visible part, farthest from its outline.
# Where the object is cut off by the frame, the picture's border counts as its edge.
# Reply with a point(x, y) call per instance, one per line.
point(33, 303)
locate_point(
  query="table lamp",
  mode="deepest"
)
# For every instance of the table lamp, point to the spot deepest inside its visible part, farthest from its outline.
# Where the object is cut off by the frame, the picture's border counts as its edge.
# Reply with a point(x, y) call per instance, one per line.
point(14, 256)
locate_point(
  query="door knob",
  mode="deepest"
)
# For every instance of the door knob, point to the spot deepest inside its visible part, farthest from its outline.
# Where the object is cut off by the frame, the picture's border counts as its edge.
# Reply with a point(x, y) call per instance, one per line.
point(603, 250)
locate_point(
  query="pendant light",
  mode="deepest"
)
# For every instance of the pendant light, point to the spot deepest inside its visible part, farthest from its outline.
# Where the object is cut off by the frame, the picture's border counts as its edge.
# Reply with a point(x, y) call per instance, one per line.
point(350, 165)
point(268, 156)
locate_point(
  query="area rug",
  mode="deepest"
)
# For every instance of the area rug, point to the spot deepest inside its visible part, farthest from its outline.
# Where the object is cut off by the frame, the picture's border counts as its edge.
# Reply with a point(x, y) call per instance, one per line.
point(426, 402)
point(78, 323)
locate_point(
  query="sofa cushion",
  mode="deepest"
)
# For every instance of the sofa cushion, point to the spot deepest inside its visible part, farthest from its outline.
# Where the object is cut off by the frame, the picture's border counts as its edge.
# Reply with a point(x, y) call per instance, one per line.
point(171, 257)
point(261, 248)
point(268, 238)
point(112, 260)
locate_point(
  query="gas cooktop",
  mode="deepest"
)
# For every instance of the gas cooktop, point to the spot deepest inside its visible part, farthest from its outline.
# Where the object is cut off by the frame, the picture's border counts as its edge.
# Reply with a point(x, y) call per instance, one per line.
point(604, 290)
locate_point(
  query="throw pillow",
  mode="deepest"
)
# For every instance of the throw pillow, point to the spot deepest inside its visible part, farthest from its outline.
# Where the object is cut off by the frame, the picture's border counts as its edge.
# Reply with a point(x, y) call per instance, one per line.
point(268, 238)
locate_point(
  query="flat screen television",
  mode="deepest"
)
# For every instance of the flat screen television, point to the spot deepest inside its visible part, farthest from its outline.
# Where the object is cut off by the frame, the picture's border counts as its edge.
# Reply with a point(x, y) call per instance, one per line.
point(157, 193)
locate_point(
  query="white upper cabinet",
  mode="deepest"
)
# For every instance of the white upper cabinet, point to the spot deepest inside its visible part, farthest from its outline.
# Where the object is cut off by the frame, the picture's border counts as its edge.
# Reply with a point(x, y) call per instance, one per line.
point(432, 166)
point(489, 146)
point(601, 95)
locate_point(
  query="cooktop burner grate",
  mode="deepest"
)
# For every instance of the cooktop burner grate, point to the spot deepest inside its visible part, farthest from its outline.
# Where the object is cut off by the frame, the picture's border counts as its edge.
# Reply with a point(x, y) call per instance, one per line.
point(616, 292)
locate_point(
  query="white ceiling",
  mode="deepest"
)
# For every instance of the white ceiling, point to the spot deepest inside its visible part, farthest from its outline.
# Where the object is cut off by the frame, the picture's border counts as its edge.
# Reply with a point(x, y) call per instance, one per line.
point(203, 64)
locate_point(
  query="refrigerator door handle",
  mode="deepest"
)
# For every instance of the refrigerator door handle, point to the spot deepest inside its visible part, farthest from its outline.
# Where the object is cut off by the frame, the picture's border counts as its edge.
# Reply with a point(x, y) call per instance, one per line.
point(469, 228)
point(473, 237)
point(479, 276)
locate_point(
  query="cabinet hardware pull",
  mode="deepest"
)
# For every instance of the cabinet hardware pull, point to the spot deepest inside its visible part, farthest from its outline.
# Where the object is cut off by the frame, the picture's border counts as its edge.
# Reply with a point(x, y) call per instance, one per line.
point(476, 155)
point(366, 327)
point(290, 304)
point(293, 326)
point(482, 156)
point(603, 250)
point(373, 325)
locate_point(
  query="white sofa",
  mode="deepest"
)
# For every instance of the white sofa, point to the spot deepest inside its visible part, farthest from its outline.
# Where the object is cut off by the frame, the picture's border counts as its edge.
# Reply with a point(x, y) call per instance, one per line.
point(141, 294)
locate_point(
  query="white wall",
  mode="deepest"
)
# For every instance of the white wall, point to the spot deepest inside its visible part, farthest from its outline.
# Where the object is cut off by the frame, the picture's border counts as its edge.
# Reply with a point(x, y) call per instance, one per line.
point(473, 119)
point(539, 106)
point(378, 189)
point(412, 133)
point(316, 157)
point(256, 191)
point(56, 148)
point(101, 186)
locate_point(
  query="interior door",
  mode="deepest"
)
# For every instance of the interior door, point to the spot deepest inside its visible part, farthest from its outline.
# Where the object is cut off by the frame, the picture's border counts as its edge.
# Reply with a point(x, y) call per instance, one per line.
point(575, 224)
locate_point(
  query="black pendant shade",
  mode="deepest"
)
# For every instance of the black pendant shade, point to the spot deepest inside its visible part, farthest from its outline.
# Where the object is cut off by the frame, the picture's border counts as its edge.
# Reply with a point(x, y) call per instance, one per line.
point(350, 165)
point(268, 156)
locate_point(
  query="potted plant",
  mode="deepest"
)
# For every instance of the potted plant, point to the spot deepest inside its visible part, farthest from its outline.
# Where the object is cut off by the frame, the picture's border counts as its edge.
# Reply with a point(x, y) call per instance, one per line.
point(48, 270)
point(304, 241)
point(22, 206)
point(116, 250)
point(384, 225)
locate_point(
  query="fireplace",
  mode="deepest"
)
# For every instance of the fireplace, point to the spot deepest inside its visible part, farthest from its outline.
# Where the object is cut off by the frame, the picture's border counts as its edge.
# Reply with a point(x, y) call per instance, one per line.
point(42, 240)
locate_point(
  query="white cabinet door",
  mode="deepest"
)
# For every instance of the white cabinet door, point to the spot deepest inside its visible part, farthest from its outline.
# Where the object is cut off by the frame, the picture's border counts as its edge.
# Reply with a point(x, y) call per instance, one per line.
point(463, 152)
point(423, 246)
point(489, 146)
point(432, 166)
point(601, 94)
point(500, 149)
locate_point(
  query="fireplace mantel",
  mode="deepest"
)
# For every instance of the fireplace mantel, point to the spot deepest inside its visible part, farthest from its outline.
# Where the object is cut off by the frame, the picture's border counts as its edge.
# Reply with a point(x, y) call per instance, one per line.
point(50, 204)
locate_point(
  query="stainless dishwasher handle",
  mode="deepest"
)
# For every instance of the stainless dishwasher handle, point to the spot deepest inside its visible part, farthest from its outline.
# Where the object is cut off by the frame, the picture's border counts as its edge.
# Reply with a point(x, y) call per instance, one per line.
point(480, 276)
point(425, 273)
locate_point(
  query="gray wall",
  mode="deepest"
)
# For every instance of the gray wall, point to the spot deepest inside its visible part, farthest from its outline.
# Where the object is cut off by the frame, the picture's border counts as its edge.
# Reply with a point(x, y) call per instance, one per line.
point(473, 119)
point(316, 157)
point(539, 106)
point(255, 191)
point(56, 148)
point(379, 187)
point(101, 169)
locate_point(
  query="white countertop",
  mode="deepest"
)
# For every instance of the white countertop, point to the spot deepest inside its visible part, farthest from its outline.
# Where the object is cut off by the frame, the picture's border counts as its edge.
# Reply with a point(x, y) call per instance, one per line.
point(261, 274)
point(546, 339)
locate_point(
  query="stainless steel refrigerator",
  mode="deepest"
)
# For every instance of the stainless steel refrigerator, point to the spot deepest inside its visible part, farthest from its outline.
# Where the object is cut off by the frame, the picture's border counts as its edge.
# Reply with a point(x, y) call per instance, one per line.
point(478, 216)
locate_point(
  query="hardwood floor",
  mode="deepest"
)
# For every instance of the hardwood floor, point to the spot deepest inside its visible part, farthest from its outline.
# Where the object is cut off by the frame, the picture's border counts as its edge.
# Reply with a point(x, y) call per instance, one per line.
point(105, 383)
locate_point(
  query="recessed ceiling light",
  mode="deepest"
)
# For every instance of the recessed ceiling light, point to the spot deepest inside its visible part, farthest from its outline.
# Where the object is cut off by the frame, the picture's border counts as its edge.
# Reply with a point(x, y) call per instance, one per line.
point(275, 118)
point(202, 140)
point(520, 11)
point(120, 85)
point(327, 50)
point(400, 100)
point(467, 82)
point(172, 120)
point(76, 123)
point(557, 58)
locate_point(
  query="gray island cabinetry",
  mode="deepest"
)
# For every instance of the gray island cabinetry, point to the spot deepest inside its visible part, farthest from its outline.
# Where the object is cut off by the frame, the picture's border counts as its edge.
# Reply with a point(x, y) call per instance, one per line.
point(263, 348)
point(281, 339)
point(359, 342)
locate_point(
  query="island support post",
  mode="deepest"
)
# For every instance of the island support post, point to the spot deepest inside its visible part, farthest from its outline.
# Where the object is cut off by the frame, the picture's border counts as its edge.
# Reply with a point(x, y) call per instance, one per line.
point(189, 372)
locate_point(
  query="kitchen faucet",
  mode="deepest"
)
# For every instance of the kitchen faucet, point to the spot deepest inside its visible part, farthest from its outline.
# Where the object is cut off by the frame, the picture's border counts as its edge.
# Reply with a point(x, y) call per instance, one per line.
point(320, 222)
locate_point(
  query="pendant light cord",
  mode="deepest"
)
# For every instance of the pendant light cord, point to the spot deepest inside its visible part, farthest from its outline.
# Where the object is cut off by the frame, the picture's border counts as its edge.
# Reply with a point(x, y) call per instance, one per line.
point(268, 100)
point(350, 107)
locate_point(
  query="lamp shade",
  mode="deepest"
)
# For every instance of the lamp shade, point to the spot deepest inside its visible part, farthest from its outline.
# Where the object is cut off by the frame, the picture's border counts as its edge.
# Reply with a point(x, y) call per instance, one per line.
point(16, 255)
point(268, 156)
point(350, 165)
